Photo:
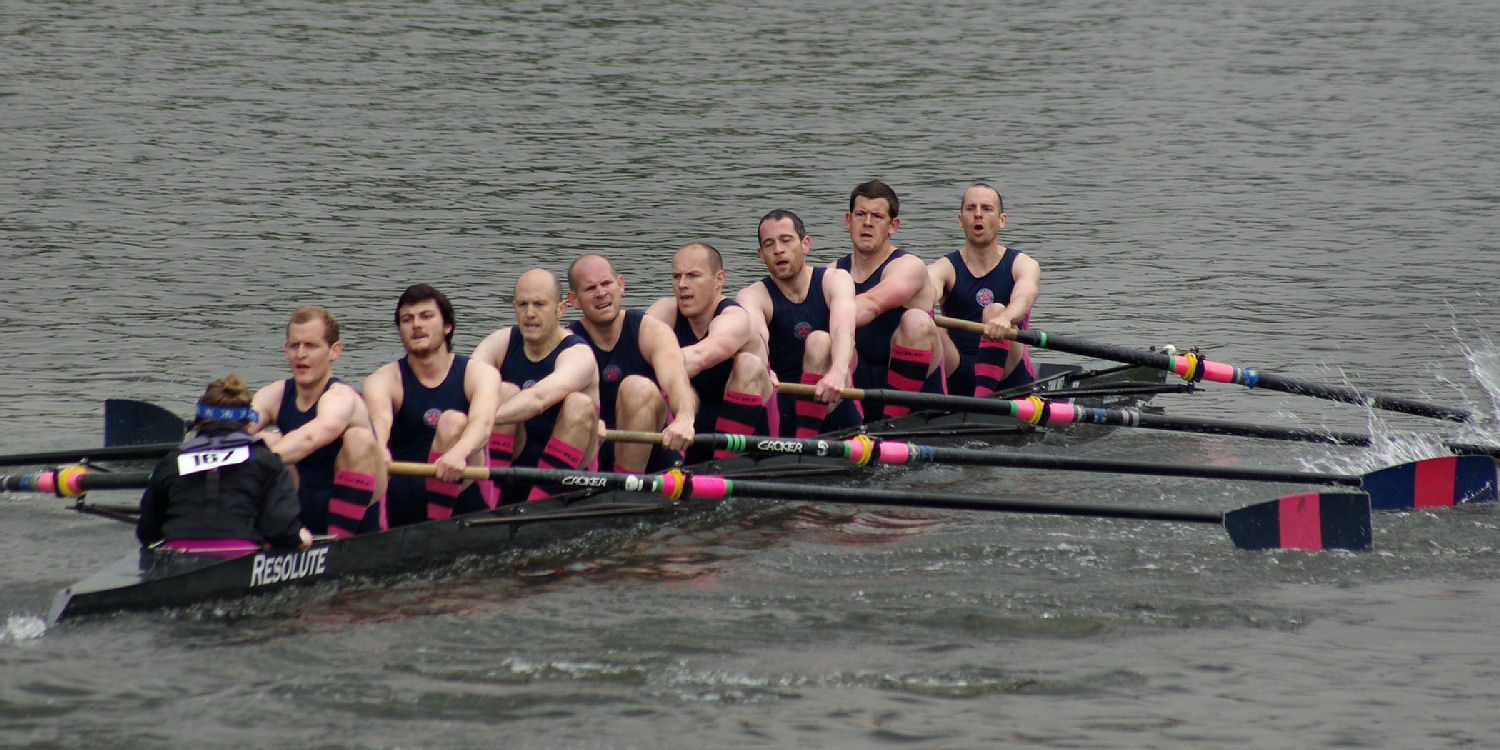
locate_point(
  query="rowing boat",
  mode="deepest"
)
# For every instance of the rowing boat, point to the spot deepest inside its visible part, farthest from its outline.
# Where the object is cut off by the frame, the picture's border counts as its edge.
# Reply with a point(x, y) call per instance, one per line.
point(154, 578)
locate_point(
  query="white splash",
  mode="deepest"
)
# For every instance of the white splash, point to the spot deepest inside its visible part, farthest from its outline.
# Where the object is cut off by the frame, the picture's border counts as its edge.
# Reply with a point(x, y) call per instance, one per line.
point(23, 628)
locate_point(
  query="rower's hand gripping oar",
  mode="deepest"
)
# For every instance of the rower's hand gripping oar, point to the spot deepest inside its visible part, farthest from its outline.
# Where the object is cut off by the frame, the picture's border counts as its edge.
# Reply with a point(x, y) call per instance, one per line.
point(1428, 483)
point(1193, 367)
point(1305, 521)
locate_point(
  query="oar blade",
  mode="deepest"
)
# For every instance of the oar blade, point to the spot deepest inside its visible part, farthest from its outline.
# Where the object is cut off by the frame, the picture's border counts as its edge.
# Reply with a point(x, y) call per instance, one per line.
point(1313, 520)
point(131, 422)
point(1432, 483)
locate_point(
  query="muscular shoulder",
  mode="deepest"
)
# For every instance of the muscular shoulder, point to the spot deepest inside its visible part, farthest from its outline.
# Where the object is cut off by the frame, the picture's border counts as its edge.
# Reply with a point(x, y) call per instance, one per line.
point(664, 309)
point(492, 349)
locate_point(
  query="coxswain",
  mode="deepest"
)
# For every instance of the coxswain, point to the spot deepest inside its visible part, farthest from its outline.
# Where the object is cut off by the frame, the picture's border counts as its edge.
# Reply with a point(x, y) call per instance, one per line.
point(549, 394)
point(222, 491)
point(643, 382)
point(722, 350)
point(896, 343)
point(320, 427)
point(431, 405)
point(806, 315)
point(990, 284)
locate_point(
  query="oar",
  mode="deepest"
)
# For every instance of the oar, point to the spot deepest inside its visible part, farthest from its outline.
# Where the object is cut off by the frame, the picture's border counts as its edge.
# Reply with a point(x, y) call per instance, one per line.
point(1428, 483)
point(117, 453)
point(1306, 521)
point(73, 481)
point(1193, 367)
point(1038, 411)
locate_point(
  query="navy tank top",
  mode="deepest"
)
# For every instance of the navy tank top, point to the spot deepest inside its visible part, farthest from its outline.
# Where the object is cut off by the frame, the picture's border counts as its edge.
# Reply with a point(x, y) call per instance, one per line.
point(415, 423)
point(873, 340)
point(617, 363)
point(792, 322)
point(517, 368)
point(710, 383)
point(315, 471)
point(971, 294)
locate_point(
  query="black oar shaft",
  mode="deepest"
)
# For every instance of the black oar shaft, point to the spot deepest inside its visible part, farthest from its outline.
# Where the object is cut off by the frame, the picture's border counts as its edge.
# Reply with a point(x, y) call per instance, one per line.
point(1221, 373)
point(113, 453)
point(66, 482)
point(713, 487)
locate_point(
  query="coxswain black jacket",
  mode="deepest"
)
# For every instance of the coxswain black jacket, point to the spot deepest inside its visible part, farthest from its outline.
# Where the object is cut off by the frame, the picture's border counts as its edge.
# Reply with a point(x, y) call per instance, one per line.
point(221, 483)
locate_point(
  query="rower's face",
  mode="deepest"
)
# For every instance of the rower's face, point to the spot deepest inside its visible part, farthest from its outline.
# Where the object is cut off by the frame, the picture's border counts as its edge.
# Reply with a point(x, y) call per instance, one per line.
point(870, 224)
point(423, 330)
point(783, 252)
point(538, 308)
point(309, 353)
point(597, 292)
point(694, 283)
point(980, 216)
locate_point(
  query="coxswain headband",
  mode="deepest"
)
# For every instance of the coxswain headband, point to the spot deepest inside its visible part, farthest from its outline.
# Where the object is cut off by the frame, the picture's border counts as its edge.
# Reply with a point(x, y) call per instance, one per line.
point(227, 413)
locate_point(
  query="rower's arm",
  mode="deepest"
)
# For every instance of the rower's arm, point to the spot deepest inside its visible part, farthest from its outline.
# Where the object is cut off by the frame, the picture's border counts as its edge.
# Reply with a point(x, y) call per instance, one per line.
point(1027, 274)
point(575, 371)
point(265, 403)
point(904, 283)
point(942, 276)
point(838, 290)
point(757, 303)
point(659, 346)
point(492, 350)
point(729, 333)
point(336, 410)
point(382, 391)
point(482, 387)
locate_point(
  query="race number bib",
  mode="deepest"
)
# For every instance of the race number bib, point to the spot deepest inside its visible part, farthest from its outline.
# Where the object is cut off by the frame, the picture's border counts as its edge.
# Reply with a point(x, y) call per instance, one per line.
point(192, 463)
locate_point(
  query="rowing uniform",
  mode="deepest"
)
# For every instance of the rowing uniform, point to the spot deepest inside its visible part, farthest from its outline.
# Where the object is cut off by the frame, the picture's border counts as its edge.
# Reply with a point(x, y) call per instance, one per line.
point(790, 325)
point(517, 368)
point(711, 384)
point(873, 340)
point(616, 364)
point(967, 300)
point(413, 428)
point(221, 484)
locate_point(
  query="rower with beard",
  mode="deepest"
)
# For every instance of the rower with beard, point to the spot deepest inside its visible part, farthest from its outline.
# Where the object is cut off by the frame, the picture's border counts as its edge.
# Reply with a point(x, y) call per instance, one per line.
point(431, 405)
point(896, 342)
point(549, 393)
point(990, 284)
point(806, 316)
point(320, 427)
point(222, 491)
point(643, 382)
point(724, 356)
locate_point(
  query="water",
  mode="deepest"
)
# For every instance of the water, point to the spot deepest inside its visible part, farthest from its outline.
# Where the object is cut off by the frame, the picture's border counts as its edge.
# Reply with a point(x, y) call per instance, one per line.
point(1305, 188)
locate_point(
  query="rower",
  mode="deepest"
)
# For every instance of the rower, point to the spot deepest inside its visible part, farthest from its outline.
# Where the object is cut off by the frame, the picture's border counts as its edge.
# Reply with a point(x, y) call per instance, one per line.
point(896, 343)
point(320, 427)
point(222, 491)
point(643, 381)
point(431, 405)
point(969, 283)
point(806, 316)
point(724, 356)
point(548, 413)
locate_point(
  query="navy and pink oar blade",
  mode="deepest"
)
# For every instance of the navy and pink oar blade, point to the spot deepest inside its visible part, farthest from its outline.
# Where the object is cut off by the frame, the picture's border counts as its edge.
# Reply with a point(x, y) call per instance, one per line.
point(1432, 483)
point(1312, 520)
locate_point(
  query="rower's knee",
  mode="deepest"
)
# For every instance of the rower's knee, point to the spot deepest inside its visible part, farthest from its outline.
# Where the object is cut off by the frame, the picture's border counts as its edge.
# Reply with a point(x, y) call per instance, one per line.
point(749, 374)
point(578, 409)
point(916, 330)
point(817, 351)
point(450, 427)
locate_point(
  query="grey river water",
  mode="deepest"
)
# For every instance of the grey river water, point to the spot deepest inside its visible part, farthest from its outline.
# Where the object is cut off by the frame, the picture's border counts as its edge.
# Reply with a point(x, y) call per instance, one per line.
point(1308, 188)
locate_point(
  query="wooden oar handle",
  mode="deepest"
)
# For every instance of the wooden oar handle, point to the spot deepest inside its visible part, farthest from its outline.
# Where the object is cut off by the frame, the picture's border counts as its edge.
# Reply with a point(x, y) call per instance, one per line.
point(632, 436)
point(959, 324)
point(802, 389)
point(414, 469)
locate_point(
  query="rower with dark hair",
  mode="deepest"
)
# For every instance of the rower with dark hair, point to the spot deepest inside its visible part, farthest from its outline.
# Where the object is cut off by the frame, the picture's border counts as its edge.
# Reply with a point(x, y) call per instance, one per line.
point(895, 341)
point(432, 405)
point(222, 491)
point(319, 425)
point(806, 315)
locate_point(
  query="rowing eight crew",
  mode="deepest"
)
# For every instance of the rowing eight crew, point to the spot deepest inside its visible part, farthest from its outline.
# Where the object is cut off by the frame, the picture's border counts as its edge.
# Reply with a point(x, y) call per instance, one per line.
point(541, 394)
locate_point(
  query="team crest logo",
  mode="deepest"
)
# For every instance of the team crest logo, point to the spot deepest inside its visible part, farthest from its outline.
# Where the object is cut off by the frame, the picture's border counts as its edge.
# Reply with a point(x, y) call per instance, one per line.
point(984, 297)
point(611, 373)
point(803, 330)
point(430, 417)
